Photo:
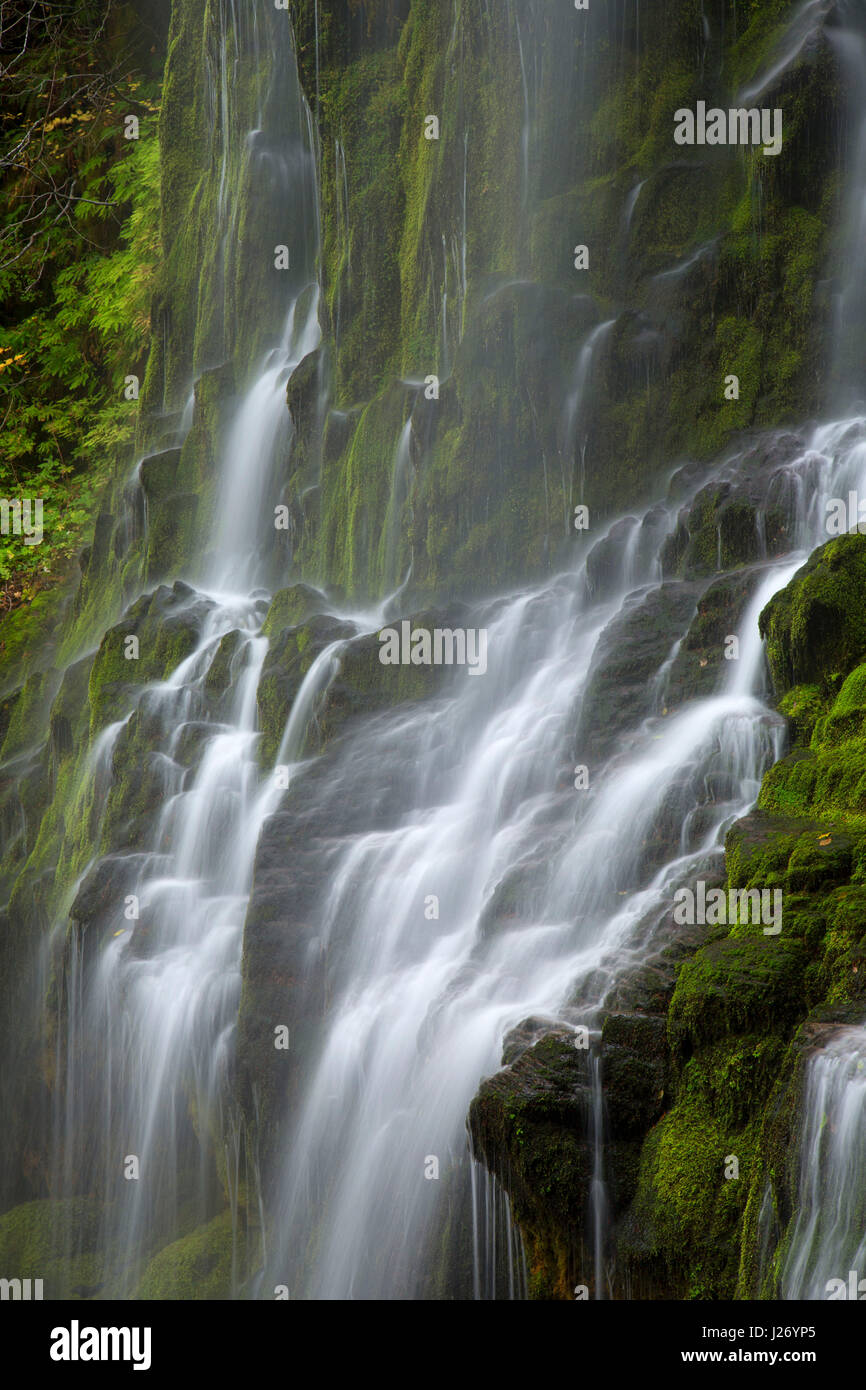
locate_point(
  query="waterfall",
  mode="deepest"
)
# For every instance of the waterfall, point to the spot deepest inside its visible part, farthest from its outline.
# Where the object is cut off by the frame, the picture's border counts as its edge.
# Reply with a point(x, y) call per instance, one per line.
point(849, 39)
point(577, 396)
point(400, 481)
point(253, 447)
point(465, 882)
point(149, 1006)
point(419, 1007)
point(828, 1239)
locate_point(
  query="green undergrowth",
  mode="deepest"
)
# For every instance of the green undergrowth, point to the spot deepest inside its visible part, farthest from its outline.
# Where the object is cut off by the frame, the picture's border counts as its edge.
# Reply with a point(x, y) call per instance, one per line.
point(75, 322)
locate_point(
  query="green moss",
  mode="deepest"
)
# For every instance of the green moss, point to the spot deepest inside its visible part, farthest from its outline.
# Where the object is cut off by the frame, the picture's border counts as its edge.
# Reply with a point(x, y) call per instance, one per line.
point(59, 1242)
point(816, 627)
point(167, 630)
point(802, 706)
point(197, 1267)
point(687, 1216)
point(736, 985)
point(529, 1123)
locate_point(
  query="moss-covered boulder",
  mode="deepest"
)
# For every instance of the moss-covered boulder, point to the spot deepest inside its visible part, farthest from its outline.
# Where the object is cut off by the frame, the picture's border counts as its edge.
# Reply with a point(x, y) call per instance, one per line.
point(166, 626)
point(816, 627)
point(198, 1267)
point(532, 1125)
point(736, 985)
point(59, 1242)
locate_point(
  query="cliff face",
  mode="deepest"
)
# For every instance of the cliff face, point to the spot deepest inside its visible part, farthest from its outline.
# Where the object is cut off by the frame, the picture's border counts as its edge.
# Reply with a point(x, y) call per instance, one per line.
point(470, 389)
point(456, 257)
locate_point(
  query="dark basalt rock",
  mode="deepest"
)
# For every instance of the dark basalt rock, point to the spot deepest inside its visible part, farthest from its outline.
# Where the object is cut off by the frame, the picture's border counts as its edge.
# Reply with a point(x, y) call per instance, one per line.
point(619, 691)
point(700, 665)
point(635, 1071)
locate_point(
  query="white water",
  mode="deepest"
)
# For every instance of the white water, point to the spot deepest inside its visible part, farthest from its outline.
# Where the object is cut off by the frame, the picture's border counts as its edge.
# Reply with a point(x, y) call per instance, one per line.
point(574, 441)
point(829, 1233)
point(420, 1007)
point(806, 24)
point(262, 426)
point(418, 1004)
point(400, 480)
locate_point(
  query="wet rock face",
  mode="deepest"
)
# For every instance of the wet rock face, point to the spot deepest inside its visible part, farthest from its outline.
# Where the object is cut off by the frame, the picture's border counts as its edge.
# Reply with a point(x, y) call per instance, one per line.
point(636, 1074)
point(534, 1125)
point(699, 664)
point(620, 690)
point(706, 1039)
point(291, 653)
point(283, 968)
point(286, 969)
point(672, 247)
point(743, 516)
point(166, 626)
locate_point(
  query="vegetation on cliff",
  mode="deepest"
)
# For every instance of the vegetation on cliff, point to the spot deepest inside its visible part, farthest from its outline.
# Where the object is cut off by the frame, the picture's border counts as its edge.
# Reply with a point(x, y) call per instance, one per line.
point(78, 257)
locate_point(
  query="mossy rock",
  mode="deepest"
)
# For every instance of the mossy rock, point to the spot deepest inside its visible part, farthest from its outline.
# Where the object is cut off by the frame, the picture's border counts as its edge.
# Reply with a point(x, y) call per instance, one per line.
point(219, 677)
point(819, 860)
point(627, 656)
point(27, 713)
point(847, 715)
point(364, 685)
point(290, 655)
point(700, 665)
point(291, 607)
point(171, 534)
point(168, 625)
point(635, 1067)
point(157, 474)
point(531, 1124)
point(736, 985)
point(60, 1242)
point(816, 626)
point(758, 847)
point(802, 706)
point(196, 1268)
point(682, 1231)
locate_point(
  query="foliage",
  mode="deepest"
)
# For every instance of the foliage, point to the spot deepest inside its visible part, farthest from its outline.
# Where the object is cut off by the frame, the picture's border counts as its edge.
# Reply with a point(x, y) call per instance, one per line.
point(79, 234)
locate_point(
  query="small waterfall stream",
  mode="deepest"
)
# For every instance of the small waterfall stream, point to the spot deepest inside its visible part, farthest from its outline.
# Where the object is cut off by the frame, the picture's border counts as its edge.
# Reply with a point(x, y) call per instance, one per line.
point(828, 1240)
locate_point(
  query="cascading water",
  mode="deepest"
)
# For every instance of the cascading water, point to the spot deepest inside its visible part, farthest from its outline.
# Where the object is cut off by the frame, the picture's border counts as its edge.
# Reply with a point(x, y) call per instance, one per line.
point(849, 38)
point(828, 1239)
point(419, 1007)
point(160, 990)
point(260, 431)
point(436, 813)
